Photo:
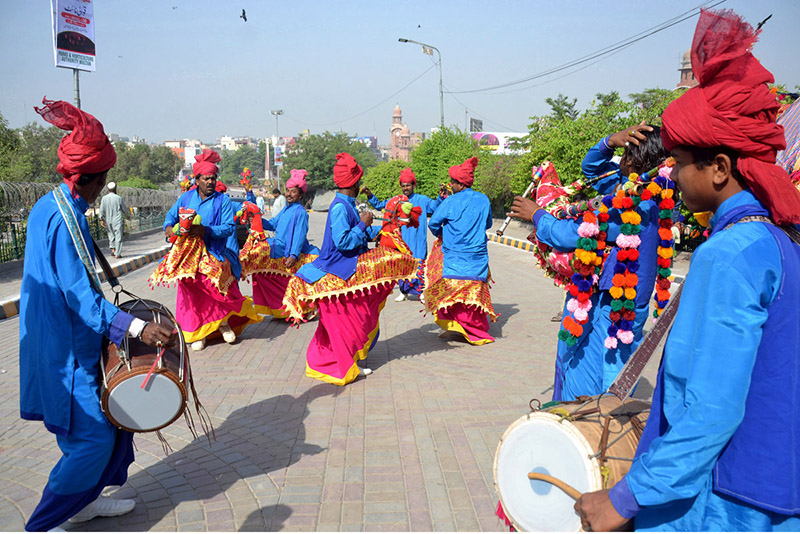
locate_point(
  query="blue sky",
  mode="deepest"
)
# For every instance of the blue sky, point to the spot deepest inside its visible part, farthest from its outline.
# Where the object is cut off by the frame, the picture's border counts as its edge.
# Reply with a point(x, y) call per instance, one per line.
point(170, 69)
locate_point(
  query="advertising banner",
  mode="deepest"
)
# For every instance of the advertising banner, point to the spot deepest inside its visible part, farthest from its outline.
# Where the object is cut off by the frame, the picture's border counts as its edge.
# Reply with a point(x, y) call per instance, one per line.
point(278, 156)
point(73, 34)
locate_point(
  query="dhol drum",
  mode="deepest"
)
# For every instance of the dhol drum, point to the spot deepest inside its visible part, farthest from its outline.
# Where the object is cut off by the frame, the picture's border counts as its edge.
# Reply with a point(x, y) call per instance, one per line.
point(588, 444)
point(144, 389)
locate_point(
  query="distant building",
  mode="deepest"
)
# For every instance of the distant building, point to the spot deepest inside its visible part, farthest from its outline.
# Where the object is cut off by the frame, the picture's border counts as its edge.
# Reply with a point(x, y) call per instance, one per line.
point(687, 75)
point(232, 143)
point(186, 149)
point(402, 140)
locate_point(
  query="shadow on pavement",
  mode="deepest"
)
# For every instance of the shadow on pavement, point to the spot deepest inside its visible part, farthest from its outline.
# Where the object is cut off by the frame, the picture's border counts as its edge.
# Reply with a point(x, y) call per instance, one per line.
point(254, 441)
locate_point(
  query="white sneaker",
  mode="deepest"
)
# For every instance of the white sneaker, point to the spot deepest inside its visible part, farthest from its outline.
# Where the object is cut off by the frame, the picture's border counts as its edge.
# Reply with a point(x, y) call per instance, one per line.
point(103, 507)
point(199, 344)
point(422, 298)
point(401, 297)
point(364, 371)
point(227, 334)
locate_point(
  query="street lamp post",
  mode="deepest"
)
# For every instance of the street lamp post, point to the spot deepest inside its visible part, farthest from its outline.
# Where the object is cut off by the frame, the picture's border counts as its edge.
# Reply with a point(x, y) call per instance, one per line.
point(277, 113)
point(428, 49)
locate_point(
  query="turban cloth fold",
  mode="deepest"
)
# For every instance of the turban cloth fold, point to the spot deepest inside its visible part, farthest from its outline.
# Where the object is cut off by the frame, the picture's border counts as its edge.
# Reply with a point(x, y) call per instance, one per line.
point(346, 172)
point(407, 176)
point(464, 173)
point(220, 187)
point(206, 163)
point(298, 179)
point(86, 149)
point(733, 107)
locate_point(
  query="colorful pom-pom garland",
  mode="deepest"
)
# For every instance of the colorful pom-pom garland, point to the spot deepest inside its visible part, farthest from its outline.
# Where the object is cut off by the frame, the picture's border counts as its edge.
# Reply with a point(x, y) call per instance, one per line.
point(589, 256)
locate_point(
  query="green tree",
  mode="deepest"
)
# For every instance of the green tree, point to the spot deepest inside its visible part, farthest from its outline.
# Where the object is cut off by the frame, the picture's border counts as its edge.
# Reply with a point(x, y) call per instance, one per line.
point(317, 155)
point(562, 108)
point(157, 165)
point(41, 148)
point(493, 178)
point(382, 179)
point(234, 162)
point(431, 159)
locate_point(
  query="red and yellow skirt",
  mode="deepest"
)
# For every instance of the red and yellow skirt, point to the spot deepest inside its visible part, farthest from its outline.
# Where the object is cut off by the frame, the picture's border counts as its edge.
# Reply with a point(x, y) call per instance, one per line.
point(461, 306)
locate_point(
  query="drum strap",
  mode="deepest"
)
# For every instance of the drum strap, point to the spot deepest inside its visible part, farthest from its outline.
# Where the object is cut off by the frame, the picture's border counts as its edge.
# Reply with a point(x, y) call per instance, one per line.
point(77, 237)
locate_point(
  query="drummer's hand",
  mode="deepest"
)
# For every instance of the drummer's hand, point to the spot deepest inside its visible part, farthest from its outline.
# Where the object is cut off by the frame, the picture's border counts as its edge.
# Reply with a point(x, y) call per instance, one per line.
point(153, 334)
point(366, 217)
point(366, 191)
point(289, 262)
point(197, 230)
point(597, 513)
point(523, 208)
point(629, 136)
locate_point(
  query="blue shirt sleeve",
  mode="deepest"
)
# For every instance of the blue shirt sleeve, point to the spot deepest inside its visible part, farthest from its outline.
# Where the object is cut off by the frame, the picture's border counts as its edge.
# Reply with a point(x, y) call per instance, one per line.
point(708, 361)
point(439, 219)
point(299, 235)
point(250, 196)
point(346, 237)
point(272, 223)
point(598, 160)
point(226, 226)
point(377, 204)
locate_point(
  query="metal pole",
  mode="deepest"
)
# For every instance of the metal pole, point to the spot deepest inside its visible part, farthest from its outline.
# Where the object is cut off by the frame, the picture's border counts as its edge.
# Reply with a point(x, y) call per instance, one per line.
point(441, 91)
point(76, 84)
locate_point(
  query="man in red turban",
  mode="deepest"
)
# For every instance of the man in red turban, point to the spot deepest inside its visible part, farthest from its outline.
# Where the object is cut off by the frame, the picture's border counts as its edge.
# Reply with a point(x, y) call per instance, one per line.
point(348, 284)
point(63, 320)
point(459, 298)
point(416, 237)
point(721, 449)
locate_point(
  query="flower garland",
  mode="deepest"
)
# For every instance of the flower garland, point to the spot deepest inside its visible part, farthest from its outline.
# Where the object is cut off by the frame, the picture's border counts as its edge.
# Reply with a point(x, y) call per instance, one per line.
point(589, 256)
point(587, 262)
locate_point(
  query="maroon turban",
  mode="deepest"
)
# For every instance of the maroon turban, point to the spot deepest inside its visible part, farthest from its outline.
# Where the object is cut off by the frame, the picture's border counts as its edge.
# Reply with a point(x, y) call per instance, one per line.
point(346, 172)
point(464, 173)
point(86, 149)
point(733, 107)
point(205, 163)
point(407, 176)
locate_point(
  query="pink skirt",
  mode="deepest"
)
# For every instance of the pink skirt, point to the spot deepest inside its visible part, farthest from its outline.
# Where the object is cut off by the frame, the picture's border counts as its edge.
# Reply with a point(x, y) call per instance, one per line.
point(348, 327)
point(268, 291)
point(201, 308)
point(469, 321)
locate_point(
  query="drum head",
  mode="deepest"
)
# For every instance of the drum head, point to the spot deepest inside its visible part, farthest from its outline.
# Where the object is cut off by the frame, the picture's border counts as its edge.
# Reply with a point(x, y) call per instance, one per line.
point(148, 409)
point(540, 443)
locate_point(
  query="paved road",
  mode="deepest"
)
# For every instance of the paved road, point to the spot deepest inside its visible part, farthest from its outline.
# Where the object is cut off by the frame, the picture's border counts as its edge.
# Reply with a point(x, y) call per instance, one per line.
point(408, 448)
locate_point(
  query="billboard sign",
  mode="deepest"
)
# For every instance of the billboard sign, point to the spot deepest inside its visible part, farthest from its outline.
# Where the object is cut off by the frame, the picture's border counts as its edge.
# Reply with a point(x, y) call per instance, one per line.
point(278, 155)
point(73, 34)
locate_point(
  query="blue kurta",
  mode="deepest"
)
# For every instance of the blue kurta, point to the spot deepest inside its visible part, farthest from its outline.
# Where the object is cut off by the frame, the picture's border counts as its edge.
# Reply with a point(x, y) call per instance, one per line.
point(703, 383)
point(588, 367)
point(462, 220)
point(62, 323)
point(344, 236)
point(291, 230)
point(415, 238)
point(219, 224)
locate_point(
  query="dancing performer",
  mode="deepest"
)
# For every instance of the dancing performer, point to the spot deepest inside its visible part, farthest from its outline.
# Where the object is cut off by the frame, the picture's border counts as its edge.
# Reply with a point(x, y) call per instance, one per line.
point(347, 283)
point(415, 236)
point(271, 262)
point(63, 319)
point(587, 365)
point(457, 271)
point(204, 261)
point(721, 449)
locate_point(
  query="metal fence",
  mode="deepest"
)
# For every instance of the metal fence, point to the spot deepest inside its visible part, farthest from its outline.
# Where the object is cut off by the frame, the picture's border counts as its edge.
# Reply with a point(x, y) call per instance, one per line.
point(148, 208)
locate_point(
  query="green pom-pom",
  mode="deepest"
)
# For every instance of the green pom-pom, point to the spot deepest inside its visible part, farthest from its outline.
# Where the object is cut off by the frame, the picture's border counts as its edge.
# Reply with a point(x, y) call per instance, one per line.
point(571, 340)
point(625, 229)
point(663, 271)
point(629, 305)
point(616, 305)
point(665, 214)
point(603, 227)
point(563, 335)
point(635, 229)
point(636, 201)
point(655, 314)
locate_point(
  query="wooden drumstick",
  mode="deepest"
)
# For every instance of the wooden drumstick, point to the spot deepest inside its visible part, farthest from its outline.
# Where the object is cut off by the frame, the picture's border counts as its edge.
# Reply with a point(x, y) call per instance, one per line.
point(560, 484)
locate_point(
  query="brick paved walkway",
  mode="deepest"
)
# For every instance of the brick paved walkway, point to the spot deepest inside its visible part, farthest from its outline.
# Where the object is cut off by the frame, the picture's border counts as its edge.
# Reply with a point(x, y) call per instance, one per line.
point(408, 448)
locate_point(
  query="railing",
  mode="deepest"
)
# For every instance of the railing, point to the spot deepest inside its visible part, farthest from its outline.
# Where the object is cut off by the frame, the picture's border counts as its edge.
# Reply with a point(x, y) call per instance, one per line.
point(148, 208)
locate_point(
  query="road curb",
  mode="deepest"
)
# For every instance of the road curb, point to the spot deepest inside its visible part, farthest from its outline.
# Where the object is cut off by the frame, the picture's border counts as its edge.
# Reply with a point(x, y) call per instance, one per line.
point(10, 308)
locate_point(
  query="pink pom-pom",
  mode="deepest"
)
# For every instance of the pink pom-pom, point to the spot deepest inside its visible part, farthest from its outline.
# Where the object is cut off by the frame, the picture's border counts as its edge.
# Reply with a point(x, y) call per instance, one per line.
point(581, 316)
point(628, 241)
point(610, 343)
point(585, 305)
point(626, 336)
point(665, 171)
point(588, 229)
point(572, 305)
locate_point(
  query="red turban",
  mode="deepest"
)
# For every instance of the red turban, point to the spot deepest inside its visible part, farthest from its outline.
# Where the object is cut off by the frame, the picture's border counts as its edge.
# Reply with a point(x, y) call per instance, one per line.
point(219, 187)
point(733, 107)
point(346, 172)
point(464, 173)
point(86, 149)
point(407, 176)
point(205, 163)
